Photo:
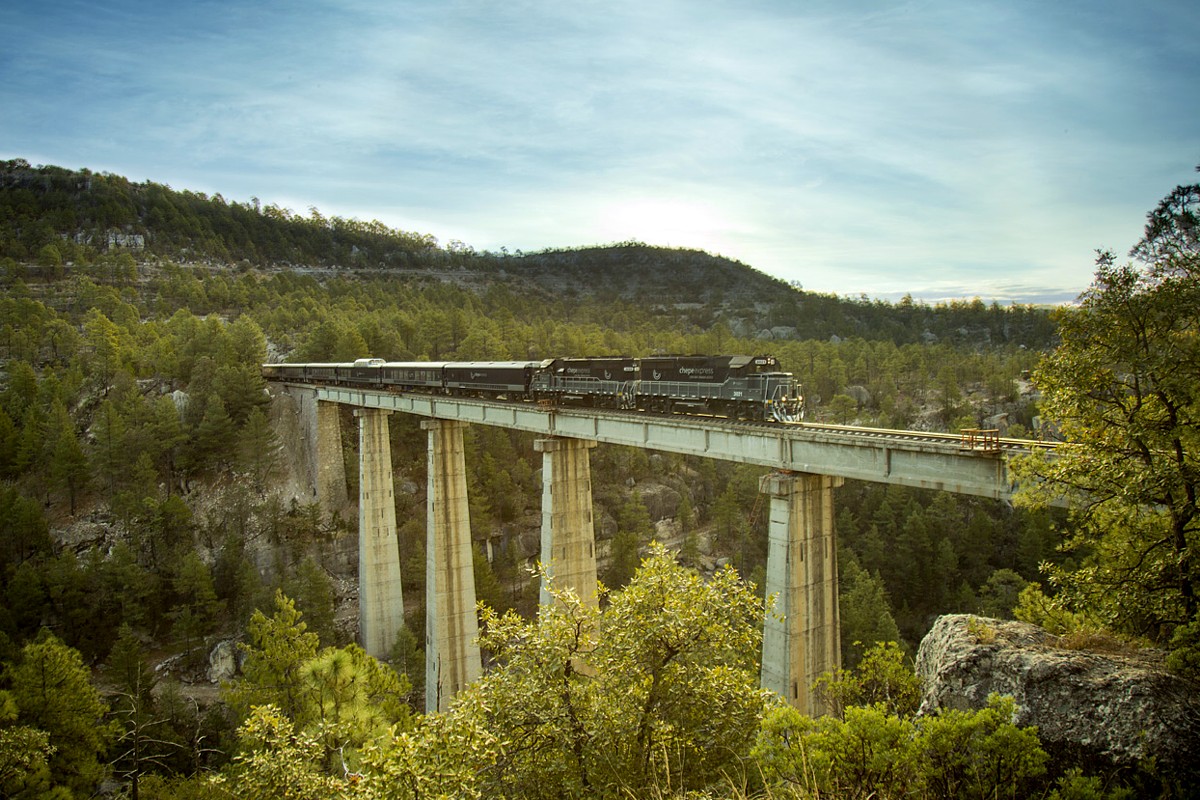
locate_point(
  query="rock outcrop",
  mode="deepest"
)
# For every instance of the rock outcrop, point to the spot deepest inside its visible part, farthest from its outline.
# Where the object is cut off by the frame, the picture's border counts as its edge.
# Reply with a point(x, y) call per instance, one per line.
point(223, 662)
point(1104, 710)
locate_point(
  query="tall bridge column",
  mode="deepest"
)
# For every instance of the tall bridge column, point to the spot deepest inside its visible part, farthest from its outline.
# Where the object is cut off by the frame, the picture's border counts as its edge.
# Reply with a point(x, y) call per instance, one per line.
point(380, 601)
point(568, 533)
point(451, 654)
point(802, 575)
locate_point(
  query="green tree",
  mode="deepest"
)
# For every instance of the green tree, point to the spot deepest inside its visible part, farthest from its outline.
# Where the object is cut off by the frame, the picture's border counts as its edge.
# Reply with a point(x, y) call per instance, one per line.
point(166, 429)
point(865, 613)
point(634, 529)
point(311, 588)
point(50, 686)
point(26, 531)
point(277, 762)
point(69, 464)
point(1121, 388)
point(874, 753)
point(246, 342)
point(998, 597)
point(868, 754)
point(883, 677)
point(408, 658)
point(258, 449)
point(236, 579)
point(9, 441)
point(278, 648)
point(24, 755)
point(213, 445)
point(103, 343)
point(1172, 236)
point(132, 586)
point(112, 459)
point(21, 392)
point(624, 556)
point(349, 698)
point(841, 407)
point(50, 259)
point(241, 388)
point(195, 613)
point(980, 755)
point(488, 589)
point(657, 689)
point(949, 394)
point(689, 552)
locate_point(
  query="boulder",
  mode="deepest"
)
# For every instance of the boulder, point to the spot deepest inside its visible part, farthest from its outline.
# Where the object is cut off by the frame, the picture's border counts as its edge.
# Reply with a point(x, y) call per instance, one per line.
point(662, 502)
point(996, 422)
point(860, 394)
point(1100, 709)
point(223, 662)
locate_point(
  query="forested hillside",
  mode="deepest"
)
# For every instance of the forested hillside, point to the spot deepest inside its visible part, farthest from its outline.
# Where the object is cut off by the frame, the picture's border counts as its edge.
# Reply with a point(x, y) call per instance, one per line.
point(52, 216)
point(146, 521)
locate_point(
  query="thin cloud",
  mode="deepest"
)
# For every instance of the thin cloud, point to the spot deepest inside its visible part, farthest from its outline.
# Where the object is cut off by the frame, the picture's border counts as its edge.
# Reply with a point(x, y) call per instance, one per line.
point(850, 146)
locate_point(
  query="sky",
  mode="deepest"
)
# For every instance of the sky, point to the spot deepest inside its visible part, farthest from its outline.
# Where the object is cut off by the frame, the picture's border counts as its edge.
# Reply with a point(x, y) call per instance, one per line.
point(940, 148)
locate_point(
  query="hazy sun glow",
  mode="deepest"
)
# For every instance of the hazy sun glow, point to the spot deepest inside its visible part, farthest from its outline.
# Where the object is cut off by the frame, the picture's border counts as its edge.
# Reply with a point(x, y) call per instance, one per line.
point(666, 221)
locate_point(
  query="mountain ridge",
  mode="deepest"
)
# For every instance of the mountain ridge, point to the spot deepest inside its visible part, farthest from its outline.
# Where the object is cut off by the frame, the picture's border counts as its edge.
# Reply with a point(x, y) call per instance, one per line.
point(52, 216)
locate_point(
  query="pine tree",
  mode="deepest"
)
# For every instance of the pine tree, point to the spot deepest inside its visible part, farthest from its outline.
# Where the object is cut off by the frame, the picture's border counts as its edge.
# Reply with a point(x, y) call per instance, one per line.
point(259, 449)
point(195, 613)
point(51, 688)
point(279, 646)
point(69, 464)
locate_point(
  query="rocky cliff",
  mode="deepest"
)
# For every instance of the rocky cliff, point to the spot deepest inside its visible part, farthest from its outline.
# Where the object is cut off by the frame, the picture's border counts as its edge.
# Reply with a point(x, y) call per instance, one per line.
point(1105, 710)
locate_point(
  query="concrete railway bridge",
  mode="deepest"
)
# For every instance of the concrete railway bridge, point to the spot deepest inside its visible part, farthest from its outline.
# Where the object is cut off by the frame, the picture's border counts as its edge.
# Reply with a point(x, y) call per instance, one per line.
point(800, 642)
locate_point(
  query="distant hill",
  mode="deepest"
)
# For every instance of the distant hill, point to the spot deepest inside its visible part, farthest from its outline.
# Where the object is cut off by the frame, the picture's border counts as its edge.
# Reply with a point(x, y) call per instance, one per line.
point(51, 215)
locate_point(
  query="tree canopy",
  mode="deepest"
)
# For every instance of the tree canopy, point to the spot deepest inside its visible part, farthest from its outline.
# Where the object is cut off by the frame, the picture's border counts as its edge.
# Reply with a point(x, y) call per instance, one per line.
point(1123, 388)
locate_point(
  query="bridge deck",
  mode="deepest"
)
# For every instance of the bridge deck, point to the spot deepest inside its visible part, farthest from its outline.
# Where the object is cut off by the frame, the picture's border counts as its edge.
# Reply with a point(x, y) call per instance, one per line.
point(907, 458)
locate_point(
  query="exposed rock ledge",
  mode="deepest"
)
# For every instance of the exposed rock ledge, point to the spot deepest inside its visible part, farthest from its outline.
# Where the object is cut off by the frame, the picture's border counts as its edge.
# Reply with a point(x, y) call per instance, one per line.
point(1103, 709)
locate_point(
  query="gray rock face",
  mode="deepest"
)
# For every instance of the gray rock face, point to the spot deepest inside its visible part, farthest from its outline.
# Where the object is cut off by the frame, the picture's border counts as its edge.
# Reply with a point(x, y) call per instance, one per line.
point(661, 501)
point(1102, 709)
point(222, 662)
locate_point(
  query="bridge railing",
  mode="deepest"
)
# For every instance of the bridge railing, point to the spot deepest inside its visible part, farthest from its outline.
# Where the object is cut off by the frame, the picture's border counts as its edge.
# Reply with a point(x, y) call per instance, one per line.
point(985, 439)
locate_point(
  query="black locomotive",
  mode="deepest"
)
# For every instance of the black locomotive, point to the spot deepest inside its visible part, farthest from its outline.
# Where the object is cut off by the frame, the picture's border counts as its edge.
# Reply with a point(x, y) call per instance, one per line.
point(738, 387)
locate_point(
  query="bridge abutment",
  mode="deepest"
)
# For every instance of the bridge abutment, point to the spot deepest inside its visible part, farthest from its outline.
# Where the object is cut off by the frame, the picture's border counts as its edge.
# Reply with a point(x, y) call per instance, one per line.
point(801, 639)
point(380, 600)
point(451, 654)
point(330, 482)
point(568, 532)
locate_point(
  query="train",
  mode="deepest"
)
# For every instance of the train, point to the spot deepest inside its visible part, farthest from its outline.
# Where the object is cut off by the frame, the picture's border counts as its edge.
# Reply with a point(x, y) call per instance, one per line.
point(731, 386)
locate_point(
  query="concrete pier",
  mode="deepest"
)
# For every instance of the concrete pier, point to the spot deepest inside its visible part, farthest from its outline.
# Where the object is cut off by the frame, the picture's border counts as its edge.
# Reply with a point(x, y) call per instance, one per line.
point(380, 601)
point(801, 639)
point(568, 532)
point(451, 654)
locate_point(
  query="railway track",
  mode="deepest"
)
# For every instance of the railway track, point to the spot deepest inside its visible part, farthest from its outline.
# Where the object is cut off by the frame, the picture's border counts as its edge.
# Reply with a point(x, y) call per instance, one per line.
point(982, 441)
point(975, 439)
